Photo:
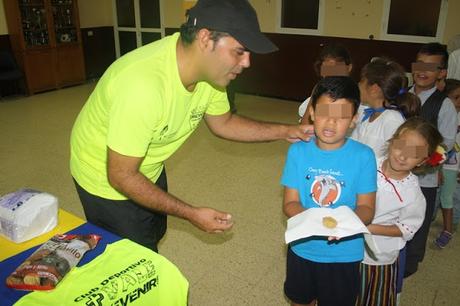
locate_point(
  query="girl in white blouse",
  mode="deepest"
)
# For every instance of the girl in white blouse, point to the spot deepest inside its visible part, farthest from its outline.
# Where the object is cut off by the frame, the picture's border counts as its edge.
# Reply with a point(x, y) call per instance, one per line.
point(385, 103)
point(400, 208)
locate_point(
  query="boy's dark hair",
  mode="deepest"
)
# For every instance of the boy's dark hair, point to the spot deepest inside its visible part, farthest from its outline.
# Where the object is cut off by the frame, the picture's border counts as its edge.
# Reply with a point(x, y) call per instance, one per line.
point(451, 85)
point(188, 34)
point(337, 87)
point(435, 48)
point(335, 51)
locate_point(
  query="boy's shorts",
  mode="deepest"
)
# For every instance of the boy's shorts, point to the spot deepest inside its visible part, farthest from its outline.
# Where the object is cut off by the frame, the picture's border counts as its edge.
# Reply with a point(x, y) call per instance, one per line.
point(331, 284)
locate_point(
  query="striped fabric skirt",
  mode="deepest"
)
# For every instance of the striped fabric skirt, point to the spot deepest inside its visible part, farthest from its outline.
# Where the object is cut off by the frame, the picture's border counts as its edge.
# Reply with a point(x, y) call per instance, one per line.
point(378, 285)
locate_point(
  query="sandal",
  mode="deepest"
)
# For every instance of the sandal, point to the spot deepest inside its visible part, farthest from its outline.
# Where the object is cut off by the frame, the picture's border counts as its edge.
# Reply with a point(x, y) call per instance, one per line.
point(443, 239)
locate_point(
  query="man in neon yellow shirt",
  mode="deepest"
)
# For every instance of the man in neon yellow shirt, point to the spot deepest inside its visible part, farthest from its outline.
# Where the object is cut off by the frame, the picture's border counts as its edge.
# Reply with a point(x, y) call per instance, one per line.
point(147, 104)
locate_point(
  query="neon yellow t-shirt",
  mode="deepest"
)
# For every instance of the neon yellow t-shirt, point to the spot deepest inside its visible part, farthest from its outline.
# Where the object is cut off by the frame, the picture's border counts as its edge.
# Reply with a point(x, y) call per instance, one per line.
point(139, 108)
point(125, 274)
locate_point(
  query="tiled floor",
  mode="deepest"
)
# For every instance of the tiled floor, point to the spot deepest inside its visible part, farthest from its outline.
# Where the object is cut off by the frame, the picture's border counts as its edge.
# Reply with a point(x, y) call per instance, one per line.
point(241, 267)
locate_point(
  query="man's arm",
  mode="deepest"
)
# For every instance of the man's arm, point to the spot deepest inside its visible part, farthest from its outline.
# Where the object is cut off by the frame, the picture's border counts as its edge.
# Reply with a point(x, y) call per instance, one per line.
point(125, 177)
point(235, 127)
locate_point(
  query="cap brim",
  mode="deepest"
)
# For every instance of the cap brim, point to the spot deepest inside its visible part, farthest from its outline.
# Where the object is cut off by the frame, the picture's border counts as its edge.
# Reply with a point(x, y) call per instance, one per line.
point(254, 42)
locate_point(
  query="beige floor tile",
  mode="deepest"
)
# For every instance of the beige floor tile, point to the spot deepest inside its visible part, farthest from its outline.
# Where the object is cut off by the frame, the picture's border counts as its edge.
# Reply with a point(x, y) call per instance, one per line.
point(243, 267)
point(223, 288)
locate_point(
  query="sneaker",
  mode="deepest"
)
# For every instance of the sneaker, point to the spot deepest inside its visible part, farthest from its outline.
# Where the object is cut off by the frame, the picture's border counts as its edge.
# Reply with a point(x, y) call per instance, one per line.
point(443, 239)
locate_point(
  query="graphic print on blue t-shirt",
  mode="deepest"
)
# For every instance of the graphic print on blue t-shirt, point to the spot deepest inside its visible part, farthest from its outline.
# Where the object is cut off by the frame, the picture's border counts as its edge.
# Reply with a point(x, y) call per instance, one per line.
point(328, 178)
point(325, 189)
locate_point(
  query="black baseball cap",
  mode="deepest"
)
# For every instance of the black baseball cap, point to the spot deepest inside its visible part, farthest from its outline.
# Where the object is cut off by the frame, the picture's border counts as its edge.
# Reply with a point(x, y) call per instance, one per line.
point(235, 17)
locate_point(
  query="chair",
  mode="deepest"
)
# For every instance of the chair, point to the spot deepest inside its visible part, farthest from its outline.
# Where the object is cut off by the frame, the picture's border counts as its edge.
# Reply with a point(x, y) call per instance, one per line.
point(11, 76)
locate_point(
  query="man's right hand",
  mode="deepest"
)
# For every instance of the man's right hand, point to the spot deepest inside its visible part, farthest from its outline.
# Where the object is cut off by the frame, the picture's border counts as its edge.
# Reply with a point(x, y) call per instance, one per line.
point(211, 220)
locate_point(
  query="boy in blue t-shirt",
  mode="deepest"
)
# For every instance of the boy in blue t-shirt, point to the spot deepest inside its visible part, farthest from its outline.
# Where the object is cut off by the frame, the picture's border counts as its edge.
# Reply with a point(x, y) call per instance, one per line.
point(330, 171)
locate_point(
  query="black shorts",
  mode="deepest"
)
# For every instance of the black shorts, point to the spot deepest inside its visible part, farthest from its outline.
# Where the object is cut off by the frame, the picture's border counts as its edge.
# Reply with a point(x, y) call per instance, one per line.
point(126, 218)
point(331, 284)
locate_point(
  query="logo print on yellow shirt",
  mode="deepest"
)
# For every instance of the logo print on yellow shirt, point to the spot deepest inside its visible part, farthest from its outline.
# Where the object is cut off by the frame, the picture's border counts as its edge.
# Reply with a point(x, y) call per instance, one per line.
point(196, 115)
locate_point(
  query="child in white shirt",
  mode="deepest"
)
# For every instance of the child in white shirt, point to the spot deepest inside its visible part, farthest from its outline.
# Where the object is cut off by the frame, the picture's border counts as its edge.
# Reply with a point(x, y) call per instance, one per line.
point(382, 88)
point(400, 208)
point(449, 172)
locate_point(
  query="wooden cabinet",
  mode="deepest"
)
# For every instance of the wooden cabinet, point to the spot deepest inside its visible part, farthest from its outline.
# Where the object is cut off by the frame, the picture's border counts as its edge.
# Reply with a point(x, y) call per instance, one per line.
point(46, 41)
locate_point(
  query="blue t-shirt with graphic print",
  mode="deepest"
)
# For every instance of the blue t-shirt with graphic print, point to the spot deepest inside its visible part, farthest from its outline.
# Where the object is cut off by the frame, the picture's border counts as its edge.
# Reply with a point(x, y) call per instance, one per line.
point(330, 179)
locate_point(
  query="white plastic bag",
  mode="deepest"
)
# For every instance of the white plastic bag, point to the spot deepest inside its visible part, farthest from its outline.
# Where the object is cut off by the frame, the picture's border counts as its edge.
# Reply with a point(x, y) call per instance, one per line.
point(27, 213)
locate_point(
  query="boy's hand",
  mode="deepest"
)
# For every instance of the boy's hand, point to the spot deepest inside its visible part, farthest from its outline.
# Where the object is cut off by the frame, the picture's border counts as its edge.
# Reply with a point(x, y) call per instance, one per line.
point(332, 238)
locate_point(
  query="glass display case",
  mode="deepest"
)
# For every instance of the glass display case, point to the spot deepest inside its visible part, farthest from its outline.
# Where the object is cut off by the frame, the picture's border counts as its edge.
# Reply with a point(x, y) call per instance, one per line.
point(64, 21)
point(46, 41)
point(34, 22)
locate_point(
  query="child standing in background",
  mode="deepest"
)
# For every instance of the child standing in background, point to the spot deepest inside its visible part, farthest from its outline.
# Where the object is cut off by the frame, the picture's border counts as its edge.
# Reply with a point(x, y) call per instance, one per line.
point(454, 95)
point(382, 88)
point(320, 268)
point(399, 209)
point(429, 68)
point(449, 171)
point(334, 59)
